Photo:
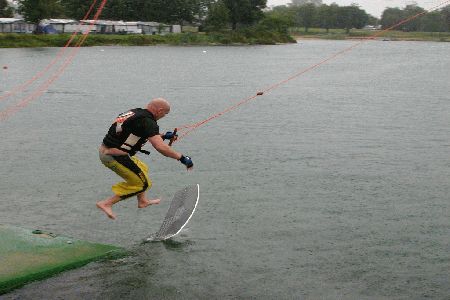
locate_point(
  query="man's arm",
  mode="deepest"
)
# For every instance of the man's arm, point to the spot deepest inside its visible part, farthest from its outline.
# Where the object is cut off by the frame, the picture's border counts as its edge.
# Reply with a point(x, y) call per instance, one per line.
point(166, 150)
point(158, 143)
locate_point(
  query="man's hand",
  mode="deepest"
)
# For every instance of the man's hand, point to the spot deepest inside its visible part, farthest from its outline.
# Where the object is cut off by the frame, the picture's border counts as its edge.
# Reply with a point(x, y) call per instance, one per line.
point(187, 161)
point(169, 135)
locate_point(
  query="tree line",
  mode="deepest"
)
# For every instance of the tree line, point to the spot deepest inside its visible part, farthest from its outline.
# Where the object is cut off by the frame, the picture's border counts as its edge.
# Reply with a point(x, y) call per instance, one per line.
point(312, 13)
point(435, 21)
point(235, 14)
point(6, 11)
point(208, 13)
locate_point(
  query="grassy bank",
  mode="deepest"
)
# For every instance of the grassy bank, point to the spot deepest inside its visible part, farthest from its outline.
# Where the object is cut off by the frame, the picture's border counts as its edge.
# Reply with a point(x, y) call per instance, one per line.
point(340, 34)
point(215, 38)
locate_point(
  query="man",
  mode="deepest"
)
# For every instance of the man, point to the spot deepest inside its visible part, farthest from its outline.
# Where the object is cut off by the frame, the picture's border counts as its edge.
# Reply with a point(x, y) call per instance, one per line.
point(126, 136)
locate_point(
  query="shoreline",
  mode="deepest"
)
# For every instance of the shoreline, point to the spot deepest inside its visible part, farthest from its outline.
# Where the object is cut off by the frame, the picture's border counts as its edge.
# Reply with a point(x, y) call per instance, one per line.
point(379, 39)
point(365, 35)
point(11, 40)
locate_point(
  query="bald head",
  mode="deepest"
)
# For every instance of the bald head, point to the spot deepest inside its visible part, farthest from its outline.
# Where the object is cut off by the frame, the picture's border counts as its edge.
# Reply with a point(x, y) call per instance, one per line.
point(159, 107)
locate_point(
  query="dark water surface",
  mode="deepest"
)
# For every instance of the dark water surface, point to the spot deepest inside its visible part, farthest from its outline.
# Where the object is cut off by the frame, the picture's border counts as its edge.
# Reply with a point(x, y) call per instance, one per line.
point(333, 186)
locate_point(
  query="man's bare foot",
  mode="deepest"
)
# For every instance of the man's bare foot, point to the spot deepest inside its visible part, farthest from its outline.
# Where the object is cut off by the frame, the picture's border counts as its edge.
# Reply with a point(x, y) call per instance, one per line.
point(146, 202)
point(107, 209)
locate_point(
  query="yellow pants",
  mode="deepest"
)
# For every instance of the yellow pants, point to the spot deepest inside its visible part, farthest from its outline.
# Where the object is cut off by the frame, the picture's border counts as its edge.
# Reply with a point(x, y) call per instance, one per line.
point(134, 171)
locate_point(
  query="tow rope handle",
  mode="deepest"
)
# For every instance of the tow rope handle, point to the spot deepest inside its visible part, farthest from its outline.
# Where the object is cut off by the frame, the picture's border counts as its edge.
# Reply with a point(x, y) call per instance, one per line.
point(173, 139)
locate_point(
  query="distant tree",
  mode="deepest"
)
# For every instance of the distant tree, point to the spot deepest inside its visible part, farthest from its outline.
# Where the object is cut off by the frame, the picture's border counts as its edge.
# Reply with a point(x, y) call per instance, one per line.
point(415, 24)
point(218, 16)
point(117, 10)
point(390, 17)
point(305, 15)
point(245, 12)
point(282, 11)
point(201, 9)
point(166, 11)
point(351, 17)
point(6, 11)
point(184, 10)
point(304, 2)
point(279, 10)
point(446, 17)
point(275, 23)
point(77, 9)
point(433, 22)
point(324, 16)
point(171, 11)
point(374, 21)
point(393, 16)
point(34, 11)
point(327, 16)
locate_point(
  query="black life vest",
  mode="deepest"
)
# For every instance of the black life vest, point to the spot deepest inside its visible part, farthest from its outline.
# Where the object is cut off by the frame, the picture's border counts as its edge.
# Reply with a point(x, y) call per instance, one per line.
point(123, 134)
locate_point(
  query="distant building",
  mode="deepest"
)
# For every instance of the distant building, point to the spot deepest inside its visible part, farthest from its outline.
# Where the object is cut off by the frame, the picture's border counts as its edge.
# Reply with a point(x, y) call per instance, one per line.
point(112, 27)
point(60, 25)
point(15, 25)
point(176, 28)
point(372, 27)
point(51, 26)
point(155, 28)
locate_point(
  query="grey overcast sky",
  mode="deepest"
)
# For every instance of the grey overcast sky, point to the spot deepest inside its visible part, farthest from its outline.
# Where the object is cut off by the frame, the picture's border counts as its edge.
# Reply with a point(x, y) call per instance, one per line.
point(373, 7)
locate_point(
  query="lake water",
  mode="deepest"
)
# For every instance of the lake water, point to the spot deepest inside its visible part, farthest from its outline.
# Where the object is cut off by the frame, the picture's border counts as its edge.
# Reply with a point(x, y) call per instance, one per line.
point(333, 186)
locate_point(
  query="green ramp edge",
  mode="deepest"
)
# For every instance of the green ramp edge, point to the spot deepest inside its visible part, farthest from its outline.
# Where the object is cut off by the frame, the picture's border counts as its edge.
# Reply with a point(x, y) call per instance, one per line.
point(26, 256)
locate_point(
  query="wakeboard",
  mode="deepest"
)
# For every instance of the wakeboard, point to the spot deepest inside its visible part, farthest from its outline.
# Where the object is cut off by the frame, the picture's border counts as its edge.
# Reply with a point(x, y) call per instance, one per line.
point(181, 209)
